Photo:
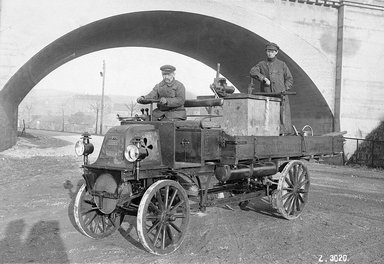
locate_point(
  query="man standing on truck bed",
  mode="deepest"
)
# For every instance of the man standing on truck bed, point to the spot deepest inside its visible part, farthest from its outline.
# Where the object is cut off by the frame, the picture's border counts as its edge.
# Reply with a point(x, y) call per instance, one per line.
point(275, 77)
point(171, 95)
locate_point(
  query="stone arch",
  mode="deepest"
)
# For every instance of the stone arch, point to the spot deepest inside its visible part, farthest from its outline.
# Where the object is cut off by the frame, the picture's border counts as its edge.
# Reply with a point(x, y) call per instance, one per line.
point(206, 39)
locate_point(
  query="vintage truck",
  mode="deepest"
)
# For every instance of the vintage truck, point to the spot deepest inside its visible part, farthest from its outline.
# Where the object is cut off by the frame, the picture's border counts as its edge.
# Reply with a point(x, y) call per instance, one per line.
point(228, 151)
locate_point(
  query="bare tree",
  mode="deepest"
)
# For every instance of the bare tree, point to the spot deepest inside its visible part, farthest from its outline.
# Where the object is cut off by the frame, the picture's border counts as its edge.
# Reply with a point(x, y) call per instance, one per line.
point(132, 106)
point(62, 117)
point(28, 107)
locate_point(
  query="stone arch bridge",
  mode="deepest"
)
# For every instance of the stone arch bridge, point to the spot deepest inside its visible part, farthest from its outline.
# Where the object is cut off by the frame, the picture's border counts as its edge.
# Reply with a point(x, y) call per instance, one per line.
point(334, 48)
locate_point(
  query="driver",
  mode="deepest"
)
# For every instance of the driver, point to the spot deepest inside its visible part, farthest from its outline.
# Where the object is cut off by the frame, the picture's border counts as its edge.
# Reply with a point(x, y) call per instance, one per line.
point(171, 96)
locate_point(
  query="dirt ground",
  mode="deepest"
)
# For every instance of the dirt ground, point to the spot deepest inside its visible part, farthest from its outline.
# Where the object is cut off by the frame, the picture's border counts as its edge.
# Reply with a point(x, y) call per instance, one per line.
point(343, 221)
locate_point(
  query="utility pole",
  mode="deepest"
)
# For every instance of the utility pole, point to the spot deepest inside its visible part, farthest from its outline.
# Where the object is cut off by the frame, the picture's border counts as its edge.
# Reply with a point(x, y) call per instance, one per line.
point(97, 117)
point(102, 99)
point(62, 115)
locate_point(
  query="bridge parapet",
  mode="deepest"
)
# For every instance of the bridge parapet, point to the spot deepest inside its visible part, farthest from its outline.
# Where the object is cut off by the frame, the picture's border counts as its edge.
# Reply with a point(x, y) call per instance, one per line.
point(370, 4)
point(325, 3)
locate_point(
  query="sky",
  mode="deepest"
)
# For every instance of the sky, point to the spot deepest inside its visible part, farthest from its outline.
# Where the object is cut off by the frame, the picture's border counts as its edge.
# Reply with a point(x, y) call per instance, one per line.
point(129, 71)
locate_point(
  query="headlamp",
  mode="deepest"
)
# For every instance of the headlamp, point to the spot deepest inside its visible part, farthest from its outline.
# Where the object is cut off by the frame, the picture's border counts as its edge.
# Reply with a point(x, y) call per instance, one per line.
point(82, 148)
point(79, 148)
point(131, 153)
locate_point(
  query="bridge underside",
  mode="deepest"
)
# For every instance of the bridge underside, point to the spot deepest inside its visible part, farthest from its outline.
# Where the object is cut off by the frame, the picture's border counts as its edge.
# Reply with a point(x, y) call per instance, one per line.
point(203, 38)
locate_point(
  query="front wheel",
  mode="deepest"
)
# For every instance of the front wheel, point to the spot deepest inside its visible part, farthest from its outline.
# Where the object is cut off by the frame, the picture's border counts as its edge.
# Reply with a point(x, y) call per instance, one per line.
point(163, 217)
point(90, 220)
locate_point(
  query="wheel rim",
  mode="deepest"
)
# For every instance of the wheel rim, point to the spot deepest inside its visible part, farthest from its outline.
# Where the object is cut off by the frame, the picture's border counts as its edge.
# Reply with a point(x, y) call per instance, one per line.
point(163, 217)
point(91, 221)
point(293, 190)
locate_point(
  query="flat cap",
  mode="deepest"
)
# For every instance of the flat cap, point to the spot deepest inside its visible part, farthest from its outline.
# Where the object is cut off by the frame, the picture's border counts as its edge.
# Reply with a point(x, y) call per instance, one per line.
point(167, 68)
point(271, 46)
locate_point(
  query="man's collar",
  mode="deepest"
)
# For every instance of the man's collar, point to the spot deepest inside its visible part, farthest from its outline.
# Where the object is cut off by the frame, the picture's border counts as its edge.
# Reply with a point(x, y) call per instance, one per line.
point(171, 83)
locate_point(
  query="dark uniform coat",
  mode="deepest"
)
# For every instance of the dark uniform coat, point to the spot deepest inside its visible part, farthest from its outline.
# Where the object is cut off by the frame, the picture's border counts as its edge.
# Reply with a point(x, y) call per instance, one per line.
point(281, 80)
point(175, 95)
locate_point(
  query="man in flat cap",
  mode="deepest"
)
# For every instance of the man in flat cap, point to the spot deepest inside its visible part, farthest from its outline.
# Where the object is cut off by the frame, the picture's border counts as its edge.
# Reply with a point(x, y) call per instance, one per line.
point(275, 77)
point(171, 95)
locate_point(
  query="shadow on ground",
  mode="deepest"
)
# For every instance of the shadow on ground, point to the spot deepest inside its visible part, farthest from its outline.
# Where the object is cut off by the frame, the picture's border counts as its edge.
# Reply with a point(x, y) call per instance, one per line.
point(43, 244)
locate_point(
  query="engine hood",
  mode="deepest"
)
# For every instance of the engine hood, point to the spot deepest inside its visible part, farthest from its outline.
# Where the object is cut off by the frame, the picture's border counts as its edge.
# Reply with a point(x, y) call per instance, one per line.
point(117, 138)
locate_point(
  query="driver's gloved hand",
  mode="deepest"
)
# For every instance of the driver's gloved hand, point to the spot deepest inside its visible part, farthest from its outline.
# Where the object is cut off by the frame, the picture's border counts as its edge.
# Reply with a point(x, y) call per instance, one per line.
point(140, 99)
point(163, 101)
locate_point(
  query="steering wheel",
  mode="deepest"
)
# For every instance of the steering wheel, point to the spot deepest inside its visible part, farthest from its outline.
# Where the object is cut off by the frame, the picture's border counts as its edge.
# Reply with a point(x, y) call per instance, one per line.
point(138, 118)
point(149, 101)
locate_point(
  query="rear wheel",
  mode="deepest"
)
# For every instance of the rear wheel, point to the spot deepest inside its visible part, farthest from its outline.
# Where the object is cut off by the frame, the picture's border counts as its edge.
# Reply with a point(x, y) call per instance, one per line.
point(163, 217)
point(291, 195)
point(90, 220)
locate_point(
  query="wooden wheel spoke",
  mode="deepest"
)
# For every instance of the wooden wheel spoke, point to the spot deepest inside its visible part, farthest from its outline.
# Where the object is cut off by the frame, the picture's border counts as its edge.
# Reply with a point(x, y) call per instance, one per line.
point(297, 203)
point(301, 184)
point(301, 175)
point(289, 177)
point(112, 220)
point(293, 205)
point(99, 224)
point(169, 232)
point(172, 198)
point(108, 222)
point(89, 220)
point(288, 181)
point(300, 198)
point(294, 173)
point(173, 211)
point(160, 201)
point(152, 217)
point(89, 202)
point(157, 234)
point(175, 227)
point(288, 194)
point(288, 203)
point(154, 207)
point(103, 224)
point(156, 224)
point(163, 238)
point(95, 224)
point(302, 191)
point(166, 197)
point(87, 211)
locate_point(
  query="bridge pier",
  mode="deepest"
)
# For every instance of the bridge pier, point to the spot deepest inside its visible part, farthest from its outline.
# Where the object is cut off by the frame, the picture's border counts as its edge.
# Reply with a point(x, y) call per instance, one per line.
point(8, 124)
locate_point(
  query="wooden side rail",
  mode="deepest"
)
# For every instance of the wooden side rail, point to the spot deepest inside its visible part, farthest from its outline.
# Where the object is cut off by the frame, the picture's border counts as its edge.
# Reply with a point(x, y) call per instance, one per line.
point(274, 94)
point(204, 102)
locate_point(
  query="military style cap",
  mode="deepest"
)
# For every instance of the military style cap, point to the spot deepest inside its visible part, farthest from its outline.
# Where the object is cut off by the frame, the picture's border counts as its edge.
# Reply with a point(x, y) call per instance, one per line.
point(271, 46)
point(167, 68)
